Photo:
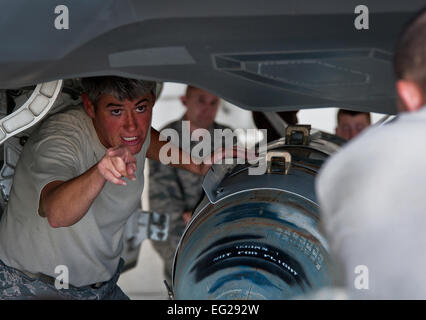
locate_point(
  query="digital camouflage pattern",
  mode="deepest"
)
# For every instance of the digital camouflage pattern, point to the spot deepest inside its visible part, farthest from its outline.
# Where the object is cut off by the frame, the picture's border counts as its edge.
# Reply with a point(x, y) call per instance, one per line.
point(16, 285)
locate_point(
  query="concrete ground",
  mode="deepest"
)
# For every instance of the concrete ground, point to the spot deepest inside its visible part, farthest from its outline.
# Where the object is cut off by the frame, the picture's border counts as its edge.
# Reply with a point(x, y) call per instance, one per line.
point(145, 281)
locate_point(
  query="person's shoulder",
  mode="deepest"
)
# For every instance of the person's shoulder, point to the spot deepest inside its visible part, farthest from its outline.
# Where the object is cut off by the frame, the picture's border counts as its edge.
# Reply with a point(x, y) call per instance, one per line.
point(72, 124)
point(371, 139)
point(401, 133)
point(73, 116)
point(376, 147)
point(412, 120)
point(355, 153)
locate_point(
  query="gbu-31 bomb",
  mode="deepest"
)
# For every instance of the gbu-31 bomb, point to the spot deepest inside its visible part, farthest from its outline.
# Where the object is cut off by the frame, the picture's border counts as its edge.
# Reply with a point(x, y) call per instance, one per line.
point(257, 236)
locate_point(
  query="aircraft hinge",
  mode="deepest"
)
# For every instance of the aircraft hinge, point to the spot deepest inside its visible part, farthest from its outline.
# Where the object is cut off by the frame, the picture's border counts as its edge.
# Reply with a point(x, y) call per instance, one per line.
point(278, 162)
point(298, 134)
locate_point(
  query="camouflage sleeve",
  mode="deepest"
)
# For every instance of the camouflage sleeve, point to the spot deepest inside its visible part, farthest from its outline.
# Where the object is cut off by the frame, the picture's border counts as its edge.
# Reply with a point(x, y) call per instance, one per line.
point(165, 191)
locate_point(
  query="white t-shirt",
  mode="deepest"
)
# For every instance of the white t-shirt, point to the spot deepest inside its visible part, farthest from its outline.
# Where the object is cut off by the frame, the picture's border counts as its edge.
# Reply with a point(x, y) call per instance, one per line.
point(372, 196)
point(65, 146)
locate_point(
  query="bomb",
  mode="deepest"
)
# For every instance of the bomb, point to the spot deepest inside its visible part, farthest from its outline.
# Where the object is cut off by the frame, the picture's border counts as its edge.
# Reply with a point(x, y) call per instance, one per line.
point(258, 236)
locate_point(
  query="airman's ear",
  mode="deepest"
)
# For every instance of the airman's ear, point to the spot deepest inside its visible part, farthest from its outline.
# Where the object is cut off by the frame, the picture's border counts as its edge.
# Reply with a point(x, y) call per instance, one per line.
point(410, 95)
point(88, 105)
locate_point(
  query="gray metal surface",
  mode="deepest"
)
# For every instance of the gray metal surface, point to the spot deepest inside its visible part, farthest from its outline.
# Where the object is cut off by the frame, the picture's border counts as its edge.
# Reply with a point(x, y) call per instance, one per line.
point(257, 237)
point(271, 56)
point(258, 245)
point(225, 180)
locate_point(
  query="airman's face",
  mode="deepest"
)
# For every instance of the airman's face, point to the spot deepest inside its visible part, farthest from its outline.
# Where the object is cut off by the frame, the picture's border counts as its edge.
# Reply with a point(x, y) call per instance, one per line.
point(124, 122)
point(350, 126)
point(202, 107)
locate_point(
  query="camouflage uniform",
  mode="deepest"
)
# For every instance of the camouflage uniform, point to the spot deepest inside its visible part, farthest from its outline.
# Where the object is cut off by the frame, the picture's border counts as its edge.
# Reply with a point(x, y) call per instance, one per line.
point(174, 191)
point(3, 113)
point(16, 285)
